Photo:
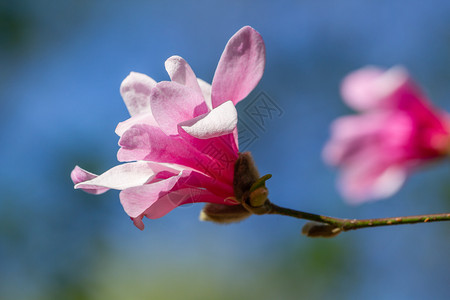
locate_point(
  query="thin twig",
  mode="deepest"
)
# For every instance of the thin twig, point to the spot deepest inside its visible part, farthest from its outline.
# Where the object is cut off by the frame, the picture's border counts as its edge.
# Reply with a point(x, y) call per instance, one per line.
point(352, 224)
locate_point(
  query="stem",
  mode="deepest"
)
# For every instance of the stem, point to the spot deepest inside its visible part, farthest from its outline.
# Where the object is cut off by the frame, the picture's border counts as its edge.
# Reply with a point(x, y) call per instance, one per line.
point(352, 224)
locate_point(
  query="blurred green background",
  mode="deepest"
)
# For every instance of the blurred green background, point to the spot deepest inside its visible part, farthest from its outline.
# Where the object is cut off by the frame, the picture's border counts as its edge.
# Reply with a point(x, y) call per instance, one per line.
point(61, 65)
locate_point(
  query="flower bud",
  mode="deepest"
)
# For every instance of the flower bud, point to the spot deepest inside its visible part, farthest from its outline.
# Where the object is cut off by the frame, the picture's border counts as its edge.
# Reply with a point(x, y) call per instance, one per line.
point(224, 214)
point(316, 229)
point(245, 175)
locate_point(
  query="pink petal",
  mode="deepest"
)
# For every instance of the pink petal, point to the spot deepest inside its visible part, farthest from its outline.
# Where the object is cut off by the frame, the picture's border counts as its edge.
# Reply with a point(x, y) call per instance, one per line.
point(220, 121)
point(180, 72)
point(215, 185)
point(352, 135)
point(138, 222)
point(125, 176)
point(374, 151)
point(221, 152)
point(240, 68)
point(370, 180)
point(173, 103)
point(135, 91)
point(235, 140)
point(206, 91)
point(171, 192)
point(144, 142)
point(179, 197)
point(146, 118)
point(79, 175)
point(412, 102)
point(135, 200)
point(171, 200)
point(371, 87)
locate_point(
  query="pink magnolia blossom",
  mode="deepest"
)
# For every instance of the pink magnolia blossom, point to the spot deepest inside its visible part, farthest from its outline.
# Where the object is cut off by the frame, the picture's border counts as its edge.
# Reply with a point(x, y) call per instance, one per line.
point(396, 131)
point(180, 143)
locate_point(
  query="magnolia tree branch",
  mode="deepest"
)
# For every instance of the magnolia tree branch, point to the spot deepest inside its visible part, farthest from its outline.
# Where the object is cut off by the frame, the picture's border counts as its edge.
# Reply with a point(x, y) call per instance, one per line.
point(255, 201)
point(325, 226)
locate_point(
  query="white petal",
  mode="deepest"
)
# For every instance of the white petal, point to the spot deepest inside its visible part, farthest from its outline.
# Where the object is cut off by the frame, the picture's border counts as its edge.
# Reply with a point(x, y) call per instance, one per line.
point(370, 87)
point(221, 120)
point(144, 118)
point(206, 91)
point(389, 183)
point(135, 91)
point(125, 176)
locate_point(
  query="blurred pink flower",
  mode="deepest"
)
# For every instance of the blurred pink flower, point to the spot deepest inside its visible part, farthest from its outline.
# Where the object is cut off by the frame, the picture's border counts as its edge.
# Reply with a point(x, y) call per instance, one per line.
point(180, 143)
point(396, 131)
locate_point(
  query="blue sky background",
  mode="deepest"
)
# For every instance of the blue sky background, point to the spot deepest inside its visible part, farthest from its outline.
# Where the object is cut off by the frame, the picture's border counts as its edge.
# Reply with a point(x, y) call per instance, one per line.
point(61, 65)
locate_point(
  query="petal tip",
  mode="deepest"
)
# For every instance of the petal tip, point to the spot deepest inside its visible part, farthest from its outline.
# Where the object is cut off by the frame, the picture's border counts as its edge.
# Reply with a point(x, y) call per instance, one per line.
point(240, 67)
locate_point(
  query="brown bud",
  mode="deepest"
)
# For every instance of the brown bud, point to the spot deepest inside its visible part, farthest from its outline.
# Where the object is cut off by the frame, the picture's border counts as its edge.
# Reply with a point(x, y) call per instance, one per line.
point(316, 229)
point(245, 175)
point(224, 214)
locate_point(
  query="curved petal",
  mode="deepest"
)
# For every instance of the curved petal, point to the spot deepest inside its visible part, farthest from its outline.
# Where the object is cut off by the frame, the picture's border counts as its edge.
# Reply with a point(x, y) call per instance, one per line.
point(168, 193)
point(143, 142)
point(206, 91)
point(138, 222)
point(80, 175)
point(179, 197)
point(374, 151)
point(180, 72)
point(352, 135)
point(221, 152)
point(240, 68)
point(163, 205)
point(370, 181)
point(220, 121)
point(235, 140)
point(173, 103)
point(135, 200)
point(135, 90)
point(146, 118)
point(216, 186)
point(125, 176)
point(371, 87)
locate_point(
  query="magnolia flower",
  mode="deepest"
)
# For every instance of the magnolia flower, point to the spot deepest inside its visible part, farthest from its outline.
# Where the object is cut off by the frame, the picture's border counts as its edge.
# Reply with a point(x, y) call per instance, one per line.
point(397, 131)
point(180, 143)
